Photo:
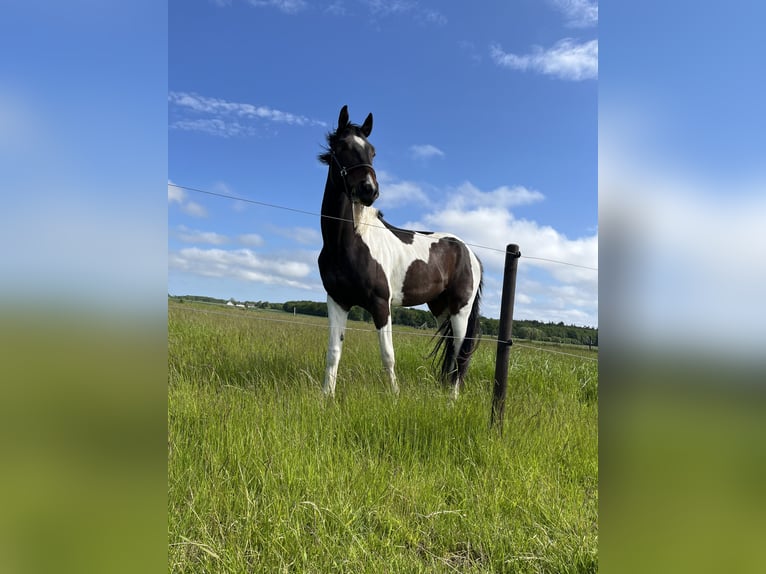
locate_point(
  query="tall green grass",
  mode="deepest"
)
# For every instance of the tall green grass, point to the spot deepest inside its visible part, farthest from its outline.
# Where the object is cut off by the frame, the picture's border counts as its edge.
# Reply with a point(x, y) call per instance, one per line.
point(266, 475)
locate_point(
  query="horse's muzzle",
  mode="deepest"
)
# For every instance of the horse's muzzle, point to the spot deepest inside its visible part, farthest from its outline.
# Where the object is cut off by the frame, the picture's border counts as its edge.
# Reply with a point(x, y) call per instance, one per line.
point(366, 192)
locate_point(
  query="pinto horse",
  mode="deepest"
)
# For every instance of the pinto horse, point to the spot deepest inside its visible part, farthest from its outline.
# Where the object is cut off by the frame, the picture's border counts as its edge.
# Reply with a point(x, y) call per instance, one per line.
point(365, 261)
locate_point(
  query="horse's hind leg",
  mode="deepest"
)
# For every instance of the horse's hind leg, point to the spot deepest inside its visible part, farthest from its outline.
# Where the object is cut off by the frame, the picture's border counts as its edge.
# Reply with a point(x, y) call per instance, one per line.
point(338, 317)
point(385, 337)
point(465, 326)
point(459, 327)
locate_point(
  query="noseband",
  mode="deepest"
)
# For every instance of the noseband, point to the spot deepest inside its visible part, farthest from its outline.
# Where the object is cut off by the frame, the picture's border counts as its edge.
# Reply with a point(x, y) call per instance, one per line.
point(343, 173)
point(344, 170)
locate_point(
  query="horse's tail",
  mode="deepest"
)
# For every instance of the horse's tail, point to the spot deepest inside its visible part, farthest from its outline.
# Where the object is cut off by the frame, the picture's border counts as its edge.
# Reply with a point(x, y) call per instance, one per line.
point(472, 334)
point(444, 350)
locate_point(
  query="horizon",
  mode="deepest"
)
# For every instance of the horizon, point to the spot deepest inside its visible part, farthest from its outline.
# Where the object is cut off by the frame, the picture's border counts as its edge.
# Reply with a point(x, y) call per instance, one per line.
point(245, 301)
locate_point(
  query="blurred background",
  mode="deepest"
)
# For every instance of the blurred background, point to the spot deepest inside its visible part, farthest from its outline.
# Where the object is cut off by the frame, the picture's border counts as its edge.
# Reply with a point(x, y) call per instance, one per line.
point(681, 204)
point(83, 328)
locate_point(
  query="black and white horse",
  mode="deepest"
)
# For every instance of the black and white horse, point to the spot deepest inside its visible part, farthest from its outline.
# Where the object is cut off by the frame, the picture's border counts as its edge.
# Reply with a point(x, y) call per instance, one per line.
point(365, 261)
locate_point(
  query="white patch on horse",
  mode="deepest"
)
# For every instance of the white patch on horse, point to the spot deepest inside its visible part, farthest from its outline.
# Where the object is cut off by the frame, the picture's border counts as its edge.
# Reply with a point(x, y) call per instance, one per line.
point(337, 317)
point(359, 141)
point(393, 255)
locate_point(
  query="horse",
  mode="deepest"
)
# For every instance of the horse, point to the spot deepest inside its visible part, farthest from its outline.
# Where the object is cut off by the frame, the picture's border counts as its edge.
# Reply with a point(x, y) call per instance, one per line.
point(368, 262)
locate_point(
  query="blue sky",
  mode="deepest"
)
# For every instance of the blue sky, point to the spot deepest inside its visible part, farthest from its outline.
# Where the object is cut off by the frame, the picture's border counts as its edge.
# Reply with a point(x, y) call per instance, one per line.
point(485, 126)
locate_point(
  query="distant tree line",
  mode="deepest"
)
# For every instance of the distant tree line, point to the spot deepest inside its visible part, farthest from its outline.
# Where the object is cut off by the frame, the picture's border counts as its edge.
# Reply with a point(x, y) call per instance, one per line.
point(523, 329)
point(538, 331)
point(201, 298)
point(399, 316)
point(204, 299)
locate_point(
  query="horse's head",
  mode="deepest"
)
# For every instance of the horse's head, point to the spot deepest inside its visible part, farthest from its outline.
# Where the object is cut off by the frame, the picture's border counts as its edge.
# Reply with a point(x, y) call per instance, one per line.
point(349, 156)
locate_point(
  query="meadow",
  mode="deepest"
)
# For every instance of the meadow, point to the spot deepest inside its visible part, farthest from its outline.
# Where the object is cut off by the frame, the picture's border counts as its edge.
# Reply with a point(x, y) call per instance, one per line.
point(266, 475)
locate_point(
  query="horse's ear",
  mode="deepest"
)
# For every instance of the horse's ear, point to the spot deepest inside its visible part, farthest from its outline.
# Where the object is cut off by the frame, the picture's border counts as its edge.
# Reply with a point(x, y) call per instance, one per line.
point(367, 125)
point(343, 118)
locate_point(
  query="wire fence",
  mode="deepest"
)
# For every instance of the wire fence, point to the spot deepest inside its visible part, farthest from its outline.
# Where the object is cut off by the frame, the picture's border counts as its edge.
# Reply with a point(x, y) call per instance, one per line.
point(317, 214)
point(398, 332)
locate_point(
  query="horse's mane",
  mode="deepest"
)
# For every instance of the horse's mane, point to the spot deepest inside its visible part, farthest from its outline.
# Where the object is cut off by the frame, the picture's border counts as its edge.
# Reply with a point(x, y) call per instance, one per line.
point(332, 141)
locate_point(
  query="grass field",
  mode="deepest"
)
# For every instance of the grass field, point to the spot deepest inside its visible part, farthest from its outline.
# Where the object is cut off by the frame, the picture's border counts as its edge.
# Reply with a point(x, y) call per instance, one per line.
point(265, 475)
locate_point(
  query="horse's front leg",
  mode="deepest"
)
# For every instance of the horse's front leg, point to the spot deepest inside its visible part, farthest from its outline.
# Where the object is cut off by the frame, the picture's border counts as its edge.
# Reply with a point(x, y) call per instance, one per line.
point(385, 337)
point(337, 316)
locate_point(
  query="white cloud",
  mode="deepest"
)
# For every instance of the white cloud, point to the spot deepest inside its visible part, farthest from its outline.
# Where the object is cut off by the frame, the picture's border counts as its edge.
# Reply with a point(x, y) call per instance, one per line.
point(218, 106)
point(225, 118)
point(175, 194)
point(213, 127)
point(302, 235)
point(542, 301)
point(196, 236)
point(286, 6)
point(425, 151)
point(566, 60)
point(252, 239)
point(496, 227)
point(394, 193)
point(406, 8)
point(243, 264)
point(337, 8)
point(377, 8)
point(433, 16)
point(178, 195)
point(306, 235)
point(578, 13)
point(194, 209)
point(467, 195)
point(484, 219)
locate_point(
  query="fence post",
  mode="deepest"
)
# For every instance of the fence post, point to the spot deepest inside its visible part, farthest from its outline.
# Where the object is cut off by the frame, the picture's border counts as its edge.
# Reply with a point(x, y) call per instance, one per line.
point(504, 342)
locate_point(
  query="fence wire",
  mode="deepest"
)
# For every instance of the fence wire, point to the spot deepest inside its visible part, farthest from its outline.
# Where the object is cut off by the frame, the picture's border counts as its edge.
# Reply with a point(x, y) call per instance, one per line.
point(317, 214)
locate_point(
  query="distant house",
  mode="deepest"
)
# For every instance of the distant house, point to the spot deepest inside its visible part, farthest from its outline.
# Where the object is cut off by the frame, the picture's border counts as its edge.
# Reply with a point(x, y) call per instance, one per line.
point(230, 303)
point(241, 305)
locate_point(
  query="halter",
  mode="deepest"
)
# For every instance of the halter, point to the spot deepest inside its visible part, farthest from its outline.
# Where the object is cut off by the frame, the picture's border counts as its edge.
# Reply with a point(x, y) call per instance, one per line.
point(344, 170)
point(343, 173)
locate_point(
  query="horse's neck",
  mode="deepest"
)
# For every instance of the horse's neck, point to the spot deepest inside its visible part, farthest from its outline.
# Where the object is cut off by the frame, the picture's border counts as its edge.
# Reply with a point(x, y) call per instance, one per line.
point(337, 214)
point(341, 218)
